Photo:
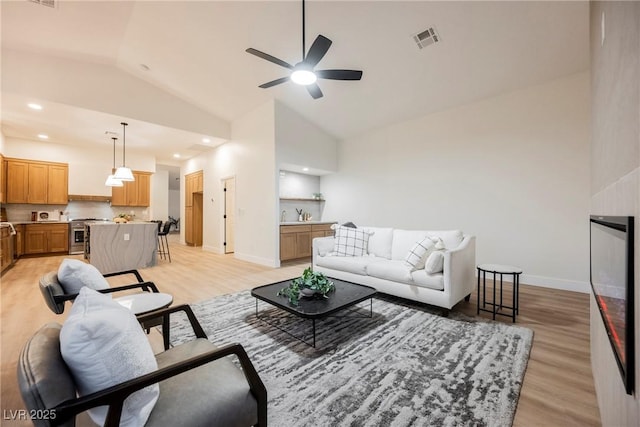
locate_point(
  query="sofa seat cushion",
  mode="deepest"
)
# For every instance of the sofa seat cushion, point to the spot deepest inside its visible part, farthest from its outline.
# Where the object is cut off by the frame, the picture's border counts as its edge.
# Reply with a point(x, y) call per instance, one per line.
point(396, 271)
point(355, 264)
point(426, 280)
point(218, 393)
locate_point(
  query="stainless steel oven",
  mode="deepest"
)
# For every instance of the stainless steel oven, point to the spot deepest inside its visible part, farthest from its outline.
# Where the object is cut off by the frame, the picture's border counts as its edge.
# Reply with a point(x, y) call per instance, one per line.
point(77, 234)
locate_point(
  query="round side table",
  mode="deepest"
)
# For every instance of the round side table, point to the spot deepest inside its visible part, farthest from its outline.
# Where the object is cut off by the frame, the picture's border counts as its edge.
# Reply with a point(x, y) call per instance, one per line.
point(496, 307)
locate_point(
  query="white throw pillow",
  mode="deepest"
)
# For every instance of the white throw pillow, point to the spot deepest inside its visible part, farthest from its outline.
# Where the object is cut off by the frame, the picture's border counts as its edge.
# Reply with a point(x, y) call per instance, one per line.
point(104, 345)
point(74, 274)
point(434, 263)
point(350, 242)
point(417, 255)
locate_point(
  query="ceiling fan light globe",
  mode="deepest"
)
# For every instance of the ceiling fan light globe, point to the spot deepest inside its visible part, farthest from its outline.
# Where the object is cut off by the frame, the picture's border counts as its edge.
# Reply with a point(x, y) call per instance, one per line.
point(113, 182)
point(124, 174)
point(303, 77)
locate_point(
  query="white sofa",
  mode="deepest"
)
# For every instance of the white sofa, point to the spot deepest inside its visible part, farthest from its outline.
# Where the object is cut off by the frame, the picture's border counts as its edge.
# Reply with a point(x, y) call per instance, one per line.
point(383, 267)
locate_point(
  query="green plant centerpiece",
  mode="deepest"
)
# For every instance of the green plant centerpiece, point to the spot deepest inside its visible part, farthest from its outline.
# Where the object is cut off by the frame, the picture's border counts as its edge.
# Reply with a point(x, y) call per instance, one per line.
point(311, 283)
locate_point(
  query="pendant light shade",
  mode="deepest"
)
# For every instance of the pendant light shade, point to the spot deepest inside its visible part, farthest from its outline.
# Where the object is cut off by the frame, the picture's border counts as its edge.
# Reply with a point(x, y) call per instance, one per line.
point(123, 173)
point(111, 181)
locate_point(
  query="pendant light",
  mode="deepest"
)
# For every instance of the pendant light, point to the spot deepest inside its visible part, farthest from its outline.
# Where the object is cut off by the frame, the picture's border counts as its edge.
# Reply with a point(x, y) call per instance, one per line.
point(123, 173)
point(111, 181)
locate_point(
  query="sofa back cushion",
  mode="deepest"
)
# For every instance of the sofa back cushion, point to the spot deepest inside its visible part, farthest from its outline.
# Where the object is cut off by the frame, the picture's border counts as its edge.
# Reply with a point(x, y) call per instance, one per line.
point(380, 241)
point(403, 241)
point(451, 238)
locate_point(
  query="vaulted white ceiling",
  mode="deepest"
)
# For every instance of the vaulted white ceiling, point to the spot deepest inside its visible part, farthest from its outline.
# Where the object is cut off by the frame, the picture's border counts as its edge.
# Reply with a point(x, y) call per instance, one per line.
point(195, 51)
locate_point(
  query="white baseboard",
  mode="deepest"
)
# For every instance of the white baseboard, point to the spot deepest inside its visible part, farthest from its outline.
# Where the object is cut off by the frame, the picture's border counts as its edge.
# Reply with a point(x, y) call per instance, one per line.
point(258, 260)
point(214, 249)
point(552, 282)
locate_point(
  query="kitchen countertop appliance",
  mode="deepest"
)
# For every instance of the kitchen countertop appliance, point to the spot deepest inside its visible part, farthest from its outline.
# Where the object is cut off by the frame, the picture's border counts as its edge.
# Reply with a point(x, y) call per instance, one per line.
point(77, 234)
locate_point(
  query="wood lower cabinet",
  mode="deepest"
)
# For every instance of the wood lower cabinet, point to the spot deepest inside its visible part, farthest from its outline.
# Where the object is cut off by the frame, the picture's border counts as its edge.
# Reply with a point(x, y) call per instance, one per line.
point(6, 254)
point(46, 238)
point(296, 240)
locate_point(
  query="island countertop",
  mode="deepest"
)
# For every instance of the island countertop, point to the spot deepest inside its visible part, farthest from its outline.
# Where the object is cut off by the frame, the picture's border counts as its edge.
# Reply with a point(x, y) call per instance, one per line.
point(307, 222)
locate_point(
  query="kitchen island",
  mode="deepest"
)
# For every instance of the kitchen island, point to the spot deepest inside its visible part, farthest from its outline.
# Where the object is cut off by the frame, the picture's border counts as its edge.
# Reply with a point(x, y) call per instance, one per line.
point(112, 247)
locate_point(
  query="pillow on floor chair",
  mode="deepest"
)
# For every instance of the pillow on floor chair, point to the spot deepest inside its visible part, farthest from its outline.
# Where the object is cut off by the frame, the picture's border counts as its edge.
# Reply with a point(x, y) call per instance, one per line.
point(104, 345)
point(74, 274)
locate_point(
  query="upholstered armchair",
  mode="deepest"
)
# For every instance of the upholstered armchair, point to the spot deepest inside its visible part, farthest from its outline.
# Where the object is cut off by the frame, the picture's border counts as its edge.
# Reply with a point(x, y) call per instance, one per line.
point(199, 384)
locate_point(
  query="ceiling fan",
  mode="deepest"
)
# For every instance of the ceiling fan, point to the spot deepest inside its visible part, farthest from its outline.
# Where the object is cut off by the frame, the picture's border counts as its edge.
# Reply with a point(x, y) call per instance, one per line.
point(303, 72)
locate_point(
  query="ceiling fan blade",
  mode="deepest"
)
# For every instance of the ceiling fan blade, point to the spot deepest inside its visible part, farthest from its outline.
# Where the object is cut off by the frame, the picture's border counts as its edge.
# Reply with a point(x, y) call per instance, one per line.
point(339, 74)
point(274, 82)
point(317, 50)
point(269, 58)
point(314, 91)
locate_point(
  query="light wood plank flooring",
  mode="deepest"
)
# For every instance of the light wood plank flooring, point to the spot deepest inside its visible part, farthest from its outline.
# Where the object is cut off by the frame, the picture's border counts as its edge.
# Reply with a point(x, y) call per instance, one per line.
point(558, 387)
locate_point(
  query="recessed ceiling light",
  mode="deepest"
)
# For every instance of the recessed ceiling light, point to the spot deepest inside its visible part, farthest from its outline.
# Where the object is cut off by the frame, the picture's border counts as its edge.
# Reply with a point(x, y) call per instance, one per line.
point(305, 169)
point(43, 136)
point(177, 156)
point(206, 140)
point(34, 106)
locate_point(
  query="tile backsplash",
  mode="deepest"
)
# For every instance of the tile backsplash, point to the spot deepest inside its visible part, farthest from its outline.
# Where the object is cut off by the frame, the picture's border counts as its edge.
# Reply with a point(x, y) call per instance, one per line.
point(76, 209)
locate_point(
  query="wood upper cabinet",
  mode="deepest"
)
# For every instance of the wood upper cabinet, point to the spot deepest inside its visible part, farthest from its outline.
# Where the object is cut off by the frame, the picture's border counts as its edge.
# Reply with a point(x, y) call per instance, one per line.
point(37, 182)
point(17, 181)
point(133, 193)
point(193, 183)
point(58, 185)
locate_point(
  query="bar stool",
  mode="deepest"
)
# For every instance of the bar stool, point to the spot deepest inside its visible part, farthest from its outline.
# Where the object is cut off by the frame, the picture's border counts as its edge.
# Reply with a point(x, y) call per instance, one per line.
point(163, 243)
point(483, 269)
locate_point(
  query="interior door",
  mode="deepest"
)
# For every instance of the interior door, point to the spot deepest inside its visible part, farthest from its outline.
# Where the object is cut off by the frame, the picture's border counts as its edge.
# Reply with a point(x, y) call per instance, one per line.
point(229, 209)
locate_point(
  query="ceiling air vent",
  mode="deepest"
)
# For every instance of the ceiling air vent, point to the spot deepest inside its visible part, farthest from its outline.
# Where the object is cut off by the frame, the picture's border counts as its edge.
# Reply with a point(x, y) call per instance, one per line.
point(48, 3)
point(426, 38)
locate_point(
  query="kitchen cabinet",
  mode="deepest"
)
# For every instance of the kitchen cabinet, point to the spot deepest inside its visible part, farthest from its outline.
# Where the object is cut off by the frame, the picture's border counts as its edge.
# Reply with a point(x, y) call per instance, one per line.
point(18, 247)
point(3, 180)
point(133, 193)
point(193, 202)
point(296, 241)
point(46, 238)
point(44, 183)
point(6, 248)
point(194, 183)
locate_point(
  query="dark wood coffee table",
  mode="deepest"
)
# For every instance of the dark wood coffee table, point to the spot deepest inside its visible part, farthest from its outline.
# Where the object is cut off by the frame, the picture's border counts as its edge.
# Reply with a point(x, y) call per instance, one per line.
point(346, 295)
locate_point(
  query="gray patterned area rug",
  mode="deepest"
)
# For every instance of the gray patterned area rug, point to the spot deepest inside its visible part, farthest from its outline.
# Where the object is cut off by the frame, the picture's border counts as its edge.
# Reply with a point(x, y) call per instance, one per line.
point(405, 366)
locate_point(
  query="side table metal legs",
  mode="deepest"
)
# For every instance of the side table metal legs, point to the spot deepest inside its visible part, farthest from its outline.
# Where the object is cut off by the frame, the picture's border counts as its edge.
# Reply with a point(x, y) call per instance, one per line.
point(497, 307)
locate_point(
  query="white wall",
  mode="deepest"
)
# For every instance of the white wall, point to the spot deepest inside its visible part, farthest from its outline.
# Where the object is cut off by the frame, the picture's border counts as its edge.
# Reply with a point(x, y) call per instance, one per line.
point(103, 87)
point(300, 143)
point(249, 157)
point(512, 170)
point(160, 195)
point(88, 167)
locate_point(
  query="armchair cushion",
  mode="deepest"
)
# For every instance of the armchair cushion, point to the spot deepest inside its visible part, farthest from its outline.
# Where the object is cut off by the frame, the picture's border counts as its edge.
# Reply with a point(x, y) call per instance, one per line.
point(104, 345)
point(74, 274)
point(218, 394)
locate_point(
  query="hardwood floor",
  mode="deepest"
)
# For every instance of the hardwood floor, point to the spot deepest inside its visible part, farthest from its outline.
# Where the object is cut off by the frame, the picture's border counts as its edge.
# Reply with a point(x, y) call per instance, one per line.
point(558, 386)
